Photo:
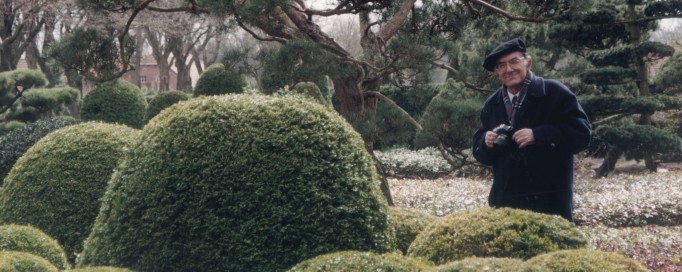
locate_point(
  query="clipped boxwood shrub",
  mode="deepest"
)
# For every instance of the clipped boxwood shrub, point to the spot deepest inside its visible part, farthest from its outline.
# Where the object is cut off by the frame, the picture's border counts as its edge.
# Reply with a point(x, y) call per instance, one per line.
point(349, 261)
point(217, 79)
point(57, 184)
point(476, 264)
point(240, 183)
point(582, 260)
point(164, 100)
point(407, 223)
point(118, 102)
point(495, 233)
point(14, 261)
point(16, 142)
point(31, 240)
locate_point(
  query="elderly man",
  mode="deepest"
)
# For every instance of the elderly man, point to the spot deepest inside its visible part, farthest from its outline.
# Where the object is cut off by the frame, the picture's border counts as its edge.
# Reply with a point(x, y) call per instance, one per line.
point(532, 127)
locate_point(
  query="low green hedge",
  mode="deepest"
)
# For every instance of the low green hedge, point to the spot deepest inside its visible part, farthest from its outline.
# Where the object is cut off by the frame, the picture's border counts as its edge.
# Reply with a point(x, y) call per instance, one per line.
point(583, 260)
point(476, 264)
point(100, 269)
point(240, 183)
point(57, 184)
point(31, 240)
point(14, 261)
point(350, 261)
point(495, 233)
point(408, 223)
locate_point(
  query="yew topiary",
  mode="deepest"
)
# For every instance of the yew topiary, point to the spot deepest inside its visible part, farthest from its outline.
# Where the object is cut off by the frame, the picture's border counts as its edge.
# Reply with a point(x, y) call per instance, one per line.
point(407, 224)
point(582, 260)
point(218, 79)
point(57, 184)
point(350, 261)
point(240, 183)
point(14, 261)
point(476, 264)
point(495, 233)
point(117, 102)
point(164, 100)
point(31, 240)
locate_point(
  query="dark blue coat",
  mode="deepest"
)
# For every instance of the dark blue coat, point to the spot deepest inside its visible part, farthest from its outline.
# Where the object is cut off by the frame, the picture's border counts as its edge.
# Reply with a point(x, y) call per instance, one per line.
point(538, 177)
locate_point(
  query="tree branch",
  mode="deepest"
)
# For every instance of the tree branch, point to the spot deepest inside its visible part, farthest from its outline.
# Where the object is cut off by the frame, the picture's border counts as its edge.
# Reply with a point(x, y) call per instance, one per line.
point(257, 37)
point(508, 15)
point(393, 104)
point(454, 71)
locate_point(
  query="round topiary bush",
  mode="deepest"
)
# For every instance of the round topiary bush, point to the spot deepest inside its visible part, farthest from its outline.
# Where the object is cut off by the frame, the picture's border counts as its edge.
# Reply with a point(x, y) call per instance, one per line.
point(57, 184)
point(240, 183)
point(15, 143)
point(407, 224)
point(360, 261)
point(219, 80)
point(582, 260)
point(164, 100)
point(118, 102)
point(495, 233)
point(14, 261)
point(31, 240)
point(475, 264)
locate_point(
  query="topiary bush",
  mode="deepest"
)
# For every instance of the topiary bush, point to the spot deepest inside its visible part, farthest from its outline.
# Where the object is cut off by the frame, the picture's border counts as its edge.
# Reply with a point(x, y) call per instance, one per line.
point(57, 184)
point(407, 223)
point(118, 102)
point(312, 91)
point(495, 233)
point(164, 100)
point(16, 142)
point(31, 240)
point(14, 261)
point(240, 183)
point(582, 260)
point(475, 264)
point(219, 80)
point(348, 261)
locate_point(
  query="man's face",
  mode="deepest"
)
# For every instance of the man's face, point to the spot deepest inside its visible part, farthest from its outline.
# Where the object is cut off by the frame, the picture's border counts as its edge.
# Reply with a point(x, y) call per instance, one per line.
point(512, 68)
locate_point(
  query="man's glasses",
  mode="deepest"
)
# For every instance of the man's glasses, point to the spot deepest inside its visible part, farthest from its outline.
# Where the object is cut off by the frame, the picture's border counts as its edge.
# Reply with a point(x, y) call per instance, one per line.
point(513, 63)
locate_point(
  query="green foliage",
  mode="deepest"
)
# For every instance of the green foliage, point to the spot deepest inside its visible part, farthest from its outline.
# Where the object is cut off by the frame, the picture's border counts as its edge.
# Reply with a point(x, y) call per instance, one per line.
point(408, 223)
point(100, 269)
point(115, 102)
point(495, 233)
point(15, 143)
point(623, 56)
point(393, 128)
point(476, 264)
point(349, 261)
point(219, 80)
point(240, 183)
point(164, 100)
point(608, 75)
point(663, 8)
point(6, 127)
point(299, 61)
point(19, 80)
point(451, 118)
point(637, 140)
point(604, 105)
point(582, 260)
point(57, 184)
point(669, 77)
point(36, 103)
point(312, 91)
point(31, 240)
point(13, 261)
point(95, 54)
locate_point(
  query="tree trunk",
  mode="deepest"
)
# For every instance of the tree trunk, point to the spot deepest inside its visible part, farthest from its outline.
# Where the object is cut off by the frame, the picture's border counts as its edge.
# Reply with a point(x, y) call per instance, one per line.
point(184, 81)
point(609, 162)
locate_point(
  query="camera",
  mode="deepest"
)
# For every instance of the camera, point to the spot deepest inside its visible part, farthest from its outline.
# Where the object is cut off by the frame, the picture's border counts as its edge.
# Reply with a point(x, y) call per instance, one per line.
point(503, 133)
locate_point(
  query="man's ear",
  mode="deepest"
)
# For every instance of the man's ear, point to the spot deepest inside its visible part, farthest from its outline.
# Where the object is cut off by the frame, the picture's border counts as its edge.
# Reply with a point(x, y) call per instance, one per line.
point(529, 62)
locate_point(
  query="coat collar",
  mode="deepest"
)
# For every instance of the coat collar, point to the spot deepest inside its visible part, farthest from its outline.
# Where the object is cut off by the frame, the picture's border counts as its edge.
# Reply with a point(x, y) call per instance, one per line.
point(535, 89)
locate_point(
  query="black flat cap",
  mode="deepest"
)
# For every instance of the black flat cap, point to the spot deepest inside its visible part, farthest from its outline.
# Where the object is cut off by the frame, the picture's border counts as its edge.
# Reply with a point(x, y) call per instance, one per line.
point(512, 45)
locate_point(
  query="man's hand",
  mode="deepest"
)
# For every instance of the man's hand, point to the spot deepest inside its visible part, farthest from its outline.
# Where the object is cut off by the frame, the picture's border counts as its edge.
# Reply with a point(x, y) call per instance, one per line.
point(523, 137)
point(490, 138)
